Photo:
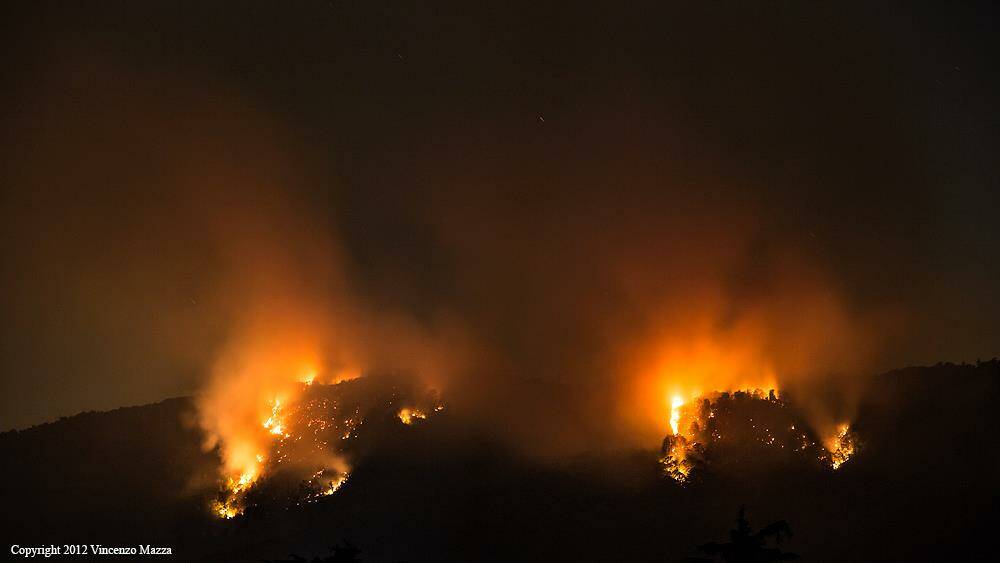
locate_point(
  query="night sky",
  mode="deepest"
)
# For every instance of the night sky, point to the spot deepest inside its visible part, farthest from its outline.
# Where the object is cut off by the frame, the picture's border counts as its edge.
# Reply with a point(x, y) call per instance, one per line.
point(543, 175)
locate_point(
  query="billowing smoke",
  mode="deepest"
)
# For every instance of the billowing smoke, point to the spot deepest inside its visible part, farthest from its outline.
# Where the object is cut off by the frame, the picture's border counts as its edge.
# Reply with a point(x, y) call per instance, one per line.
point(602, 287)
point(557, 293)
point(293, 319)
point(185, 241)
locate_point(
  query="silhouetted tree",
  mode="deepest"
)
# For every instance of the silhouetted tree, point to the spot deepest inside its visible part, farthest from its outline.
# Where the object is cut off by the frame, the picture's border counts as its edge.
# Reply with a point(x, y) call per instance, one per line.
point(747, 546)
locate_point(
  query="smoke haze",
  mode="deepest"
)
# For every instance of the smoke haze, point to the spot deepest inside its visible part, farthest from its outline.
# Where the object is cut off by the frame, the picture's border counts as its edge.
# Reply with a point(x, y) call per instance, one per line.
point(559, 244)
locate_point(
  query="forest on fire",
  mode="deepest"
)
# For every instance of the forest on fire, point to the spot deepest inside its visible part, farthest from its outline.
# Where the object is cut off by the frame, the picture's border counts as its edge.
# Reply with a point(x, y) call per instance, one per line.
point(922, 481)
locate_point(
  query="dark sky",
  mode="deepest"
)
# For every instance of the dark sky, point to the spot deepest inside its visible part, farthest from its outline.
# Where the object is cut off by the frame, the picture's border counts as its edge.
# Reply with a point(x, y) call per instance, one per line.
point(525, 168)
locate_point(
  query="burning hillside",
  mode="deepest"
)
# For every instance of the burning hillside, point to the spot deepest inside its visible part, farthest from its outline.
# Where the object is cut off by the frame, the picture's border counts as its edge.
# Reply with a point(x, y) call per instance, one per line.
point(724, 428)
point(314, 434)
point(432, 491)
point(317, 434)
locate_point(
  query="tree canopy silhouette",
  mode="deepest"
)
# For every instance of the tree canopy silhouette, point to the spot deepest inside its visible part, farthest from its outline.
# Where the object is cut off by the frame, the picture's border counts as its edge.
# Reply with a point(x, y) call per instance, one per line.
point(747, 546)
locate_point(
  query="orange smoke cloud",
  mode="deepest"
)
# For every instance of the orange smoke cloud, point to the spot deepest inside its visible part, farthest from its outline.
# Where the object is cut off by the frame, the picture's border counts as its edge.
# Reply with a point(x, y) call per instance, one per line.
point(607, 289)
point(578, 294)
point(294, 321)
point(261, 364)
point(789, 338)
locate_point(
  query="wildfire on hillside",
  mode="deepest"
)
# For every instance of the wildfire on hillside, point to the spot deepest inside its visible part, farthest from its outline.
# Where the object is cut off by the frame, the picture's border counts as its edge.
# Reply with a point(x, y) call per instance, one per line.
point(743, 420)
point(311, 432)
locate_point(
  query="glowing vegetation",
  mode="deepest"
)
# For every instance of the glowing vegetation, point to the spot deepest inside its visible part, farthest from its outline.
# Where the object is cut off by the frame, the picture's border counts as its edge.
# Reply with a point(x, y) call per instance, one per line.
point(719, 429)
point(408, 415)
point(273, 422)
point(310, 431)
point(841, 446)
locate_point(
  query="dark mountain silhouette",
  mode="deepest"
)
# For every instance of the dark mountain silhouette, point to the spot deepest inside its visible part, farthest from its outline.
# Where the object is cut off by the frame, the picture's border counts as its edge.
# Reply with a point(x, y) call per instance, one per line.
point(922, 489)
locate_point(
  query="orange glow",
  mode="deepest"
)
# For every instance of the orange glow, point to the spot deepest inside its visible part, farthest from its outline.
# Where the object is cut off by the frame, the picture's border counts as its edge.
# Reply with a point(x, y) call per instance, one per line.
point(690, 422)
point(245, 404)
point(790, 336)
point(273, 422)
point(840, 446)
point(345, 374)
point(335, 484)
point(407, 415)
point(308, 375)
point(682, 371)
point(287, 422)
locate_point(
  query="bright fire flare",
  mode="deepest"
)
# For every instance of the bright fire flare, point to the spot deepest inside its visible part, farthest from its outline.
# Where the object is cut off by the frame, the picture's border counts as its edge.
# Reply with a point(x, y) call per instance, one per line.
point(245, 480)
point(840, 446)
point(675, 412)
point(676, 462)
point(231, 505)
point(336, 484)
point(273, 422)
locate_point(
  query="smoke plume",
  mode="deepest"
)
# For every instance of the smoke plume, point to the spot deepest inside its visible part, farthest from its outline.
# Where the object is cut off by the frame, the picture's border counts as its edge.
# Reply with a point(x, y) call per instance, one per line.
point(558, 293)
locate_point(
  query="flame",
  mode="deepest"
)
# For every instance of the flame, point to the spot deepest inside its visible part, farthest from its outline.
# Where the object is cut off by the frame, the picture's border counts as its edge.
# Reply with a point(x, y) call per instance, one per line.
point(336, 484)
point(345, 374)
point(688, 422)
point(237, 484)
point(306, 429)
point(675, 412)
point(683, 369)
point(676, 462)
point(231, 505)
point(685, 373)
point(740, 419)
point(308, 376)
point(288, 421)
point(688, 373)
point(226, 510)
point(407, 415)
point(840, 446)
point(673, 372)
point(273, 422)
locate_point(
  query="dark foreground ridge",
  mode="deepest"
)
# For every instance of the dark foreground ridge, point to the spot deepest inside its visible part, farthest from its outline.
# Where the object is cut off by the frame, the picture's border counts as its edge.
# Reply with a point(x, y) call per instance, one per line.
point(922, 489)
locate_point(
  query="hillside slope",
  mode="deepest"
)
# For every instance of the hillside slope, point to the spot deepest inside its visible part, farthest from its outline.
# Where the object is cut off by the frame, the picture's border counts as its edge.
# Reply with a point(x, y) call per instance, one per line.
point(922, 488)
